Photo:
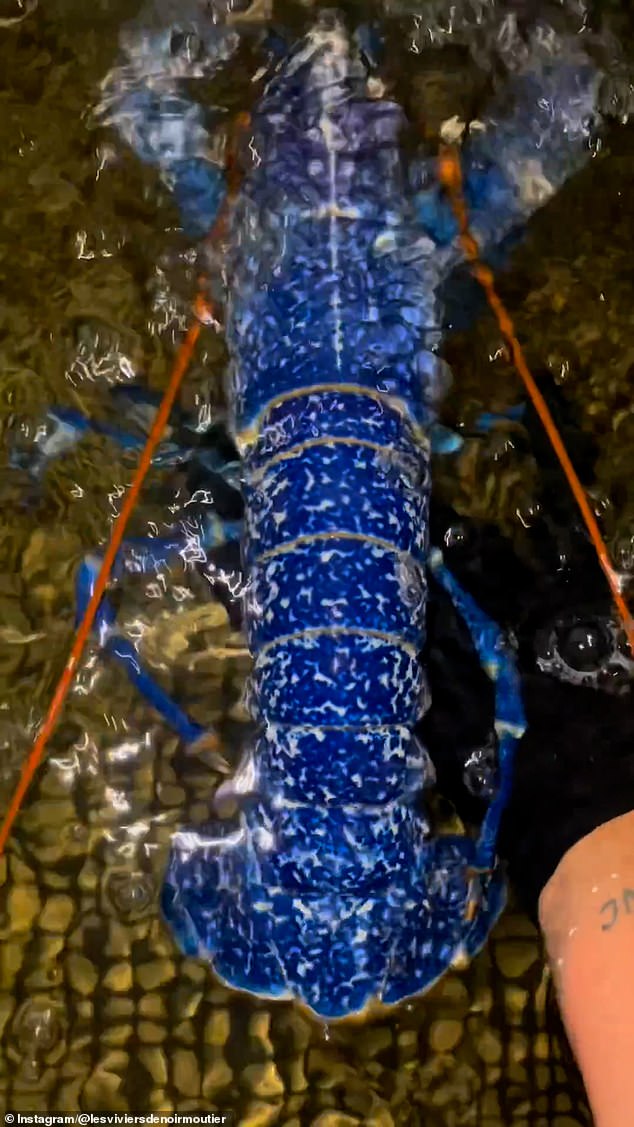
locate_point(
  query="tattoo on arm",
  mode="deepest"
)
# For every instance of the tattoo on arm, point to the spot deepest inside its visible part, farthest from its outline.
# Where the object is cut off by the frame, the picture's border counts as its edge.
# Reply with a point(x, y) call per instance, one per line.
point(615, 907)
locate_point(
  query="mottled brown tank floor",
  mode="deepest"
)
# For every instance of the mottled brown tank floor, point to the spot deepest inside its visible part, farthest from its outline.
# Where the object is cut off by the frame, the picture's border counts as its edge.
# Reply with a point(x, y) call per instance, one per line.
point(98, 1012)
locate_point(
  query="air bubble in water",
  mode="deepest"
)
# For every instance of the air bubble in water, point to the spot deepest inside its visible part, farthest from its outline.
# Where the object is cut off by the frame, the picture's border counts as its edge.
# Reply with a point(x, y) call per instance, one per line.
point(480, 771)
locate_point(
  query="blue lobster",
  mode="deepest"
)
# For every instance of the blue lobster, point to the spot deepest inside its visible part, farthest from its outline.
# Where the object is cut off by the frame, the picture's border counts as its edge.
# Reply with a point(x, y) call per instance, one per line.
point(330, 887)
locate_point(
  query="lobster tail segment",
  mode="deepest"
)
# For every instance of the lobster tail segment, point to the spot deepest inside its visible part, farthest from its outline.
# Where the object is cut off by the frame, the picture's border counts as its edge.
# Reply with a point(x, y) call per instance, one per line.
point(328, 888)
point(338, 951)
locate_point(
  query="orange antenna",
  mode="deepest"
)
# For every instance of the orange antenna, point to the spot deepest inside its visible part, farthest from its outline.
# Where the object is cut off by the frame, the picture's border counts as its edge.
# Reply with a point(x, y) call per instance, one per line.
point(36, 754)
point(204, 313)
point(450, 175)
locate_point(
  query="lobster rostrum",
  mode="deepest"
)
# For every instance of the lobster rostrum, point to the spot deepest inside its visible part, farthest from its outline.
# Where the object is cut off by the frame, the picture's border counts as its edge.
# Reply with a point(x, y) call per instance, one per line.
point(330, 887)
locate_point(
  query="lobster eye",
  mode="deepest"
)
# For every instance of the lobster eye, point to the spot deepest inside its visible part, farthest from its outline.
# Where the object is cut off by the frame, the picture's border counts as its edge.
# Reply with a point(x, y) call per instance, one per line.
point(584, 646)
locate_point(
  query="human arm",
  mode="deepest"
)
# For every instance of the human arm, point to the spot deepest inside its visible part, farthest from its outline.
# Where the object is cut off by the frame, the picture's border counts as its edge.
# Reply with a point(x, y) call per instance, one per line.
point(586, 913)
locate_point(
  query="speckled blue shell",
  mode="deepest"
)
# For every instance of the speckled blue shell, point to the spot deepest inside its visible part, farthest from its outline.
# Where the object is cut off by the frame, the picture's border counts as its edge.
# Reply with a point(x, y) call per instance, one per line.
point(328, 887)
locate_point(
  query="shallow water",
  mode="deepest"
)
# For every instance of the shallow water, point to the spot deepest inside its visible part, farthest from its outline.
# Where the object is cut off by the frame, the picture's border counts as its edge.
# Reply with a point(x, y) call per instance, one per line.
point(98, 1011)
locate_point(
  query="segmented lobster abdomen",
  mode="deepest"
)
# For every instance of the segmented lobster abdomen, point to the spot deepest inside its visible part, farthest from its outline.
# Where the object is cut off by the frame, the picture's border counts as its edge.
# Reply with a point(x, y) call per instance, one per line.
point(327, 395)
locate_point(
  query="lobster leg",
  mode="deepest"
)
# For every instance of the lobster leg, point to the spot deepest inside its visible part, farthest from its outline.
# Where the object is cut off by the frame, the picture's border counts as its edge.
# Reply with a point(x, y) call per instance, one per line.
point(213, 453)
point(489, 419)
point(70, 426)
point(64, 428)
point(147, 555)
point(211, 450)
point(445, 440)
point(510, 722)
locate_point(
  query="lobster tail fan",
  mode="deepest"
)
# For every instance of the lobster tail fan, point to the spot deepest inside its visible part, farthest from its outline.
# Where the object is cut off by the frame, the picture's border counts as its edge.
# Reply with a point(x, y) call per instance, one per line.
point(364, 938)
